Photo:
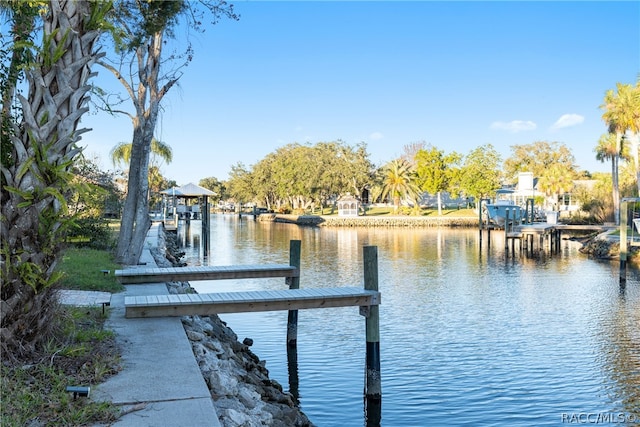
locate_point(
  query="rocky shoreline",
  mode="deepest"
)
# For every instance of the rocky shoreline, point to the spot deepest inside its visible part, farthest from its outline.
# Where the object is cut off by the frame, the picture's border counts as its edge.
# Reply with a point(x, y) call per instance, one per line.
point(242, 392)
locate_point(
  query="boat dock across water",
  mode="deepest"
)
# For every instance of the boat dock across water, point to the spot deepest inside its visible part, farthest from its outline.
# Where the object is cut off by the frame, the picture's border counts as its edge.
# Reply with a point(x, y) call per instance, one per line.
point(548, 235)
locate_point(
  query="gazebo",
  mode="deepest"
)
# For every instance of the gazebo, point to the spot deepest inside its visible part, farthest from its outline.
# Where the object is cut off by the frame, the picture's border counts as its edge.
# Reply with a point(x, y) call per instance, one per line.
point(348, 205)
point(188, 192)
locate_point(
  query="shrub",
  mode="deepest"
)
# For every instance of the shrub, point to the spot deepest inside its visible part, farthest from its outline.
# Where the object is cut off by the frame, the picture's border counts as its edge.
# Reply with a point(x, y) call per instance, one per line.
point(90, 232)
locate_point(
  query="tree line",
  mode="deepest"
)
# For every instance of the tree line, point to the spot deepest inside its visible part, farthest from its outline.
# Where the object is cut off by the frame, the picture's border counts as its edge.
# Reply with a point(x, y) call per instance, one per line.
point(304, 177)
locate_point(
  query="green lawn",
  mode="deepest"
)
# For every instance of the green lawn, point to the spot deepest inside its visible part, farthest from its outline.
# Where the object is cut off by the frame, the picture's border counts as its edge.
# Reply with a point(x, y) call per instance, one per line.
point(381, 211)
point(83, 267)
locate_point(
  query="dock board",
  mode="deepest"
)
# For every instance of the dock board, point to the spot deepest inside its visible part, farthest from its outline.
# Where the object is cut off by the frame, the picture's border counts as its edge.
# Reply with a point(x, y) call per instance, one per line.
point(251, 301)
point(221, 272)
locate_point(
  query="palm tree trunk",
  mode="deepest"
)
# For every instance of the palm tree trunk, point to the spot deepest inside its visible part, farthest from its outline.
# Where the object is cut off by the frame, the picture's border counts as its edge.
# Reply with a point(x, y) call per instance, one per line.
point(36, 179)
point(616, 189)
point(635, 145)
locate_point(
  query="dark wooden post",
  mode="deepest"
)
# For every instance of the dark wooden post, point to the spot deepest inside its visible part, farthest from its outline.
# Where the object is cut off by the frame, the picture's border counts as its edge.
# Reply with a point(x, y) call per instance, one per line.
point(624, 208)
point(294, 283)
point(292, 367)
point(506, 232)
point(373, 382)
point(205, 225)
point(480, 220)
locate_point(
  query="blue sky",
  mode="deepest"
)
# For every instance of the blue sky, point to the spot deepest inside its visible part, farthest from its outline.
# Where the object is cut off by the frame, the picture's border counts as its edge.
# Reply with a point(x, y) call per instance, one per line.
point(456, 75)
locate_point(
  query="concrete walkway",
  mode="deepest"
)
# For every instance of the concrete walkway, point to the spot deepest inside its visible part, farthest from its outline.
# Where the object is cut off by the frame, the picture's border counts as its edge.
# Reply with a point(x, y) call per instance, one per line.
point(160, 384)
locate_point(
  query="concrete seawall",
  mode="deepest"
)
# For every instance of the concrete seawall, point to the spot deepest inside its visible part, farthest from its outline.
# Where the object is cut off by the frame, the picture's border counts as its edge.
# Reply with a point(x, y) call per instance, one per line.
point(372, 221)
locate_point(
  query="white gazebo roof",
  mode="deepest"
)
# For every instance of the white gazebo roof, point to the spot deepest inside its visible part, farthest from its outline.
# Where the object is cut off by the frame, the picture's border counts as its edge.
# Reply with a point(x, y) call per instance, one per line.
point(188, 190)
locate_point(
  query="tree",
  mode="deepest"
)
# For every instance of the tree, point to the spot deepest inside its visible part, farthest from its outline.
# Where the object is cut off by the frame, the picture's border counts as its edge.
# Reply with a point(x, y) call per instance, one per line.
point(22, 16)
point(212, 183)
point(554, 182)
point(300, 175)
point(240, 183)
point(480, 174)
point(409, 152)
point(538, 157)
point(94, 195)
point(36, 171)
point(609, 148)
point(160, 151)
point(435, 171)
point(622, 115)
point(145, 26)
point(399, 182)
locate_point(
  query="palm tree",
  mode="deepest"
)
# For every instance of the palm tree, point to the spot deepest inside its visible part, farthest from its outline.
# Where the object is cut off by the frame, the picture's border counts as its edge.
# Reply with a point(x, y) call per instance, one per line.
point(399, 182)
point(622, 115)
point(608, 149)
point(555, 181)
point(121, 153)
point(36, 173)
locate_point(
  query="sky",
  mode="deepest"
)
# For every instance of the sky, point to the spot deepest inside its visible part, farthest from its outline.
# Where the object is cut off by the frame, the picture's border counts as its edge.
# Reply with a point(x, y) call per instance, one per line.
point(456, 75)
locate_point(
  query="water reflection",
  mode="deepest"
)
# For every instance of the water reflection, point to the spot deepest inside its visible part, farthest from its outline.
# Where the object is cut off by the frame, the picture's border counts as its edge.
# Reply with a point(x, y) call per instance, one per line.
point(620, 353)
point(469, 336)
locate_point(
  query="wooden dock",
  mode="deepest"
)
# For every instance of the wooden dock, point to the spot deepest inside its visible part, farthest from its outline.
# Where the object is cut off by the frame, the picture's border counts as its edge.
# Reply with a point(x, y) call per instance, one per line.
point(548, 235)
point(251, 301)
point(292, 299)
point(222, 272)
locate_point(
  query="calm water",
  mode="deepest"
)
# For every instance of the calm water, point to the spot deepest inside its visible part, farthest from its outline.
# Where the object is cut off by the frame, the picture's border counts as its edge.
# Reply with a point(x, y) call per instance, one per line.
point(468, 337)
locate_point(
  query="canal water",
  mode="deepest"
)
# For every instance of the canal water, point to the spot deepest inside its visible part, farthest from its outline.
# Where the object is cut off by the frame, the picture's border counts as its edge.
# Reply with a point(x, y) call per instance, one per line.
point(469, 337)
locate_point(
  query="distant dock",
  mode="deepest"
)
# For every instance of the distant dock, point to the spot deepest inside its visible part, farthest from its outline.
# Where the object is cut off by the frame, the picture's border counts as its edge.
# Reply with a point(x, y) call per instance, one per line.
point(548, 236)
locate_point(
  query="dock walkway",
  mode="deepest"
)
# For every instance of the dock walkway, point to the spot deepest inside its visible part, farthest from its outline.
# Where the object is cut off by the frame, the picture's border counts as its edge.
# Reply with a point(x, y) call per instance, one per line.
point(221, 272)
point(251, 301)
point(160, 384)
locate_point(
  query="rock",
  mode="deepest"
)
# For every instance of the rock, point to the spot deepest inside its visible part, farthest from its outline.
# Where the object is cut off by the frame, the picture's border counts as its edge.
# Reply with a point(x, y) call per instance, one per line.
point(248, 342)
point(224, 384)
point(195, 336)
point(249, 398)
point(233, 418)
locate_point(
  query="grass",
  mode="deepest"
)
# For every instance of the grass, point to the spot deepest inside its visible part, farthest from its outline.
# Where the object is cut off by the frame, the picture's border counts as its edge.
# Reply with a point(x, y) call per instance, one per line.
point(404, 211)
point(381, 211)
point(81, 353)
point(83, 270)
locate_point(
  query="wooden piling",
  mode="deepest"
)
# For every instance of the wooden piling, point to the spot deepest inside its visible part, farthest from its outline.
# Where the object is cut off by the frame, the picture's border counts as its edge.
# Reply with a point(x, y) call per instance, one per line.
point(205, 221)
point(373, 383)
point(294, 283)
point(292, 367)
point(624, 208)
point(506, 232)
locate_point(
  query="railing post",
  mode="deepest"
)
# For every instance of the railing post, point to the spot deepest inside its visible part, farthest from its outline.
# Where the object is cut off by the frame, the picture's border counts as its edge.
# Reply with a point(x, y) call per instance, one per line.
point(294, 283)
point(373, 382)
